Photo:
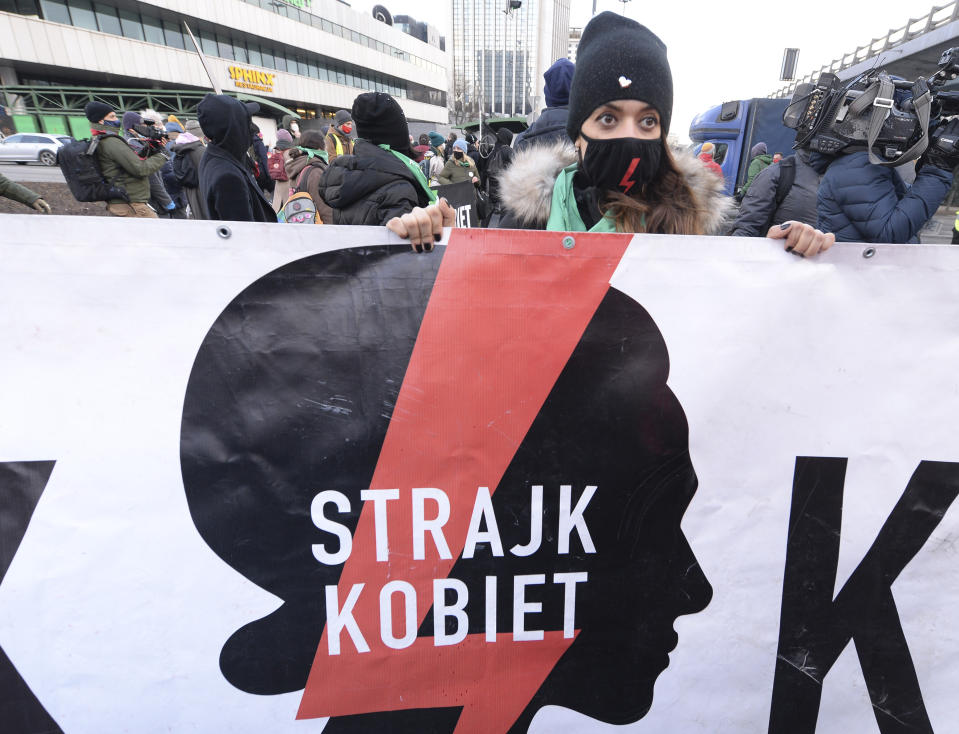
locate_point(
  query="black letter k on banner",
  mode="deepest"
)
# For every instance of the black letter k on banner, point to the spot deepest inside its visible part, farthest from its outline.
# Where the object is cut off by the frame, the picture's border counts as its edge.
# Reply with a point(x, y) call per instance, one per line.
point(814, 628)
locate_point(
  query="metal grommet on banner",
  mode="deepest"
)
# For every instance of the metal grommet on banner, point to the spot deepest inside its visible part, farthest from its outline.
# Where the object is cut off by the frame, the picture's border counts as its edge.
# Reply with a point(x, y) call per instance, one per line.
point(568, 242)
point(869, 252)
point(224, 232)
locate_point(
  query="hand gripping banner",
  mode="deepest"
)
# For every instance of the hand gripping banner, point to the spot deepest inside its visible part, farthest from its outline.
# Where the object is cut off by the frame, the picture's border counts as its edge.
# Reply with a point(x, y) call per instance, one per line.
point(254, 478)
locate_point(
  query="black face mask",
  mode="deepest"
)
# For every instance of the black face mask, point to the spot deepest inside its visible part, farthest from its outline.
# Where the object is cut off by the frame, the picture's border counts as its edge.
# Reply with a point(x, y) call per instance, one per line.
point(458, 155)
point(621, 164)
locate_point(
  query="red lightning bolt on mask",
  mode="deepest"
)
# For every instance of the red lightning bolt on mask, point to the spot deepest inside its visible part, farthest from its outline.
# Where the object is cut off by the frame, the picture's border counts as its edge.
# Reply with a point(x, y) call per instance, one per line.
point(499, 328)
point(627, 183)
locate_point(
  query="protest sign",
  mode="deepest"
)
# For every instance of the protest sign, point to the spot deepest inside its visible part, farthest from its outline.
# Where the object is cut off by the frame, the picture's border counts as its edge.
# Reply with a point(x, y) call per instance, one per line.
point(253, 477)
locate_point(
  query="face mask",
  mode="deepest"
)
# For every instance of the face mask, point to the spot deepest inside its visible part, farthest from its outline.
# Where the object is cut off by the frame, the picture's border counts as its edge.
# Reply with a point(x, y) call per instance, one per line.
point(621, 164)
point(347, 127)
point(458, 154)
point(112, 123)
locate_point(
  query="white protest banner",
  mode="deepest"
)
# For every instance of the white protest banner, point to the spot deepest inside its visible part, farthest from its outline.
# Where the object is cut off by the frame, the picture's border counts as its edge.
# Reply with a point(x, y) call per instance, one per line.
point(300, 479)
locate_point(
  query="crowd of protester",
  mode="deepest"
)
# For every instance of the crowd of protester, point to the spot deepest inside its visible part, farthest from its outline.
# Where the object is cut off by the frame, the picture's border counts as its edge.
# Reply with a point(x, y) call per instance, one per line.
point(595, 159)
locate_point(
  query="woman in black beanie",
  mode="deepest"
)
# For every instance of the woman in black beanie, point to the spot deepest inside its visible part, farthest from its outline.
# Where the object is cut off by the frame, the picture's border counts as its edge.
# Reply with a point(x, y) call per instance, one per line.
point(616, 172)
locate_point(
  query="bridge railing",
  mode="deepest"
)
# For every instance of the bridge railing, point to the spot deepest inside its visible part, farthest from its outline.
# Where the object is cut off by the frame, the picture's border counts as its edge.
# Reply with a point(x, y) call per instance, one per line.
point(939, 16)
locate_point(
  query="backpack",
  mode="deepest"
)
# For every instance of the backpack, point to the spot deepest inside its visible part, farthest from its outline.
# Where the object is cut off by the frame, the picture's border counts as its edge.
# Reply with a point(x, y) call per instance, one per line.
point(787, 176)
point(185, 172)
point(81, 170)
point(277, 166)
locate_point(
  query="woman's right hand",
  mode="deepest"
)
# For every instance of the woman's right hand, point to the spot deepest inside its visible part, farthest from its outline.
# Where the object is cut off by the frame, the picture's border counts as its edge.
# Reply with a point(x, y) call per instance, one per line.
point(423, 227)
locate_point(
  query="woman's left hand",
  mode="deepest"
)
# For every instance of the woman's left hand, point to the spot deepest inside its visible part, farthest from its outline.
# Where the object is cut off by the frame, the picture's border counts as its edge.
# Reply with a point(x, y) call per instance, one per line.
point(801, 239)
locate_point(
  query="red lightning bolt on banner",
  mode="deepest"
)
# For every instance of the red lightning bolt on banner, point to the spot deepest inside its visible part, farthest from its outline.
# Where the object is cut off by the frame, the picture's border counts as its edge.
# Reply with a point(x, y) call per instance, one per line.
point(503, 319)
point(628, 176)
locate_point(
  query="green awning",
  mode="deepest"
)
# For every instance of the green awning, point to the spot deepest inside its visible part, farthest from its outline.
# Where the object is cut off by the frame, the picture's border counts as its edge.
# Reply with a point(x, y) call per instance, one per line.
point(263, 102)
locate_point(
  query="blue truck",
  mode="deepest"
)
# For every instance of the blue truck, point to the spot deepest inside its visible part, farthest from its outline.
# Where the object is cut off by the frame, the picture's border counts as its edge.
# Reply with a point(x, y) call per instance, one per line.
point(735, 127)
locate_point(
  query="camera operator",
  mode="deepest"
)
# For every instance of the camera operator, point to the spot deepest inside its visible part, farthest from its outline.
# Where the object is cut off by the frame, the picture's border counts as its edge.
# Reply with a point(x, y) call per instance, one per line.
point(120, 165)
point(146, 140)
point(862, 198)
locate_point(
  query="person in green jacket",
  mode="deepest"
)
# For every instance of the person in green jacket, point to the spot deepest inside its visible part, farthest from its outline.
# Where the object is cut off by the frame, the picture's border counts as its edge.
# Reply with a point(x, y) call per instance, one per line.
point(25, 196)
point(759, 160)
point(121, 166)
point(459, 167)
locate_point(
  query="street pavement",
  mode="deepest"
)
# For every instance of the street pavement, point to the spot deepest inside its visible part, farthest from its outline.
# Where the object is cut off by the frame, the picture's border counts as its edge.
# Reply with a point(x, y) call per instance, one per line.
point(31, 173)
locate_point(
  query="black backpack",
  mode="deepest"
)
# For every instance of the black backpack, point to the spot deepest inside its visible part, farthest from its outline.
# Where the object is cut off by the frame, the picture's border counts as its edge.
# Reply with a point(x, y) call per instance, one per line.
point(185, 172)
point(81, 170)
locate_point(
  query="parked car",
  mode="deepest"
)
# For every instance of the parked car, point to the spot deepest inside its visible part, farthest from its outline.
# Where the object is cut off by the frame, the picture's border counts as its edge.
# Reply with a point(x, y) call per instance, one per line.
point(32, 147)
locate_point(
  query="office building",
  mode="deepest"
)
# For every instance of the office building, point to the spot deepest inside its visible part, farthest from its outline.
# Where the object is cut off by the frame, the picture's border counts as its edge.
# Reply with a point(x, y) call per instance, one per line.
point(305, 57)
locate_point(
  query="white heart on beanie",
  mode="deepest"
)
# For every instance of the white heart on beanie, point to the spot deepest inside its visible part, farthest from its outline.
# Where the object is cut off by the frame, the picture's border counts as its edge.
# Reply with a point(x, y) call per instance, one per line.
point(624, 82)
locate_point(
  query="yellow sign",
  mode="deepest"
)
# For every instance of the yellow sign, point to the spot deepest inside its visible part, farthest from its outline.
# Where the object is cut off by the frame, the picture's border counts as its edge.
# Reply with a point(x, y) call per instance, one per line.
point(252, 79)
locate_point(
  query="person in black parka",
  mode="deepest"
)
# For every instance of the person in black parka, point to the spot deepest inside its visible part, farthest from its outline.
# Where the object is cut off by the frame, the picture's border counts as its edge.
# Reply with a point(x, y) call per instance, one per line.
point(551, 123)
point(376, 183)
point(226, 183)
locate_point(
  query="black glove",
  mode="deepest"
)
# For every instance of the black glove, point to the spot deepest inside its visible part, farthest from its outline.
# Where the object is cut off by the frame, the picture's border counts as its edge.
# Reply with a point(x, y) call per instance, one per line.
point(943, 150)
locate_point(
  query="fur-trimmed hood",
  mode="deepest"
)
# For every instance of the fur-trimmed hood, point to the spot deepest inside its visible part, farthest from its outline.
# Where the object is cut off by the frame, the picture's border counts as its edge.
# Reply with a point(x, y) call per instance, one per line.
point(527, 185)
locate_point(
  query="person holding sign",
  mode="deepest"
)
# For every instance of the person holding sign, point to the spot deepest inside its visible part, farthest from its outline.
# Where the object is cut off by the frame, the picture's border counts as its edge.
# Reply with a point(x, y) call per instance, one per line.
point(619, 175)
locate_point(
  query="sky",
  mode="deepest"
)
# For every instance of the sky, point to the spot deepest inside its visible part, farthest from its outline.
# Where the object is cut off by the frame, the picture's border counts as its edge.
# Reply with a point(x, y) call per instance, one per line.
point(722, 52)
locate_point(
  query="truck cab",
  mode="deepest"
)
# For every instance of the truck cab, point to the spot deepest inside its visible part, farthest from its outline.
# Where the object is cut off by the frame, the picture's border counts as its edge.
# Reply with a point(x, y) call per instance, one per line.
point(735, 127)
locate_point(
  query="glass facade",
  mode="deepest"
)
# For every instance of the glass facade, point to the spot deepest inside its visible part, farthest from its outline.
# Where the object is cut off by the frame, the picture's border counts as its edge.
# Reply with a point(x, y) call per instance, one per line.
point(265, 53)
point(494, 55)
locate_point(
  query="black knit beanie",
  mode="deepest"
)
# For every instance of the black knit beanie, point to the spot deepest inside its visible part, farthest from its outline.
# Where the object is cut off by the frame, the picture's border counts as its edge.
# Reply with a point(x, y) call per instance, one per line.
point(380, 119)
point(96, 111)
point(618, 58)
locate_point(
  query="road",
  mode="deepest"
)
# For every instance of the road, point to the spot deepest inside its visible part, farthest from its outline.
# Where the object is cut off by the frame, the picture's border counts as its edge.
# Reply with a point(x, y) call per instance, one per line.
point(31, 173)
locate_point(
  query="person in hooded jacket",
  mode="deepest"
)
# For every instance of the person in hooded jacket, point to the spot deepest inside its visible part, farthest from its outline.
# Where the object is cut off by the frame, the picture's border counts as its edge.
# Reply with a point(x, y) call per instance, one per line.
point(305, 166)
point(619, 174)
point(227, 185)
point(380, 180)
point(188, 152)
point(759, 161)
point(551, 123)
point(499, 160)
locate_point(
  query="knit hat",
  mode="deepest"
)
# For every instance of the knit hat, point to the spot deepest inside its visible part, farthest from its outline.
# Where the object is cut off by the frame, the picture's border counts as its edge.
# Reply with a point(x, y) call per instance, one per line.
point(340, 117)
point(192, 126)
point(757, 149)
point(504, 135)
point(618, 58)
point(459, 145)
point(174, 127)
point(380, 119)
point(284, 141)
point(558, 78)
point(436, 140)
point(131, 119)
point(96, 111)
point(707, 148)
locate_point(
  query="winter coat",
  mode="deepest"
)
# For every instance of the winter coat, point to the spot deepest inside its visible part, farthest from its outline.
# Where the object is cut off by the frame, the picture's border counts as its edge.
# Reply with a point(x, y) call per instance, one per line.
point(549, 126)
point(758, 211)
point(500, 159)
point(712, 165)
point(194, 151)
point(124, 168)
point(159, 199)
point(527, 187)
point(281, 189)
point(259, 156)
point(227, 184)
point(299, 162)
point(455, 171)
point(862, 202)
point(15, 191)
point(370, 187)
point(756, 166)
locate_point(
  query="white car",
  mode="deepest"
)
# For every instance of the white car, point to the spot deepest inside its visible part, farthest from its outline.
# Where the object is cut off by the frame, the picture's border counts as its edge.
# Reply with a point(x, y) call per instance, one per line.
point(32, 147)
